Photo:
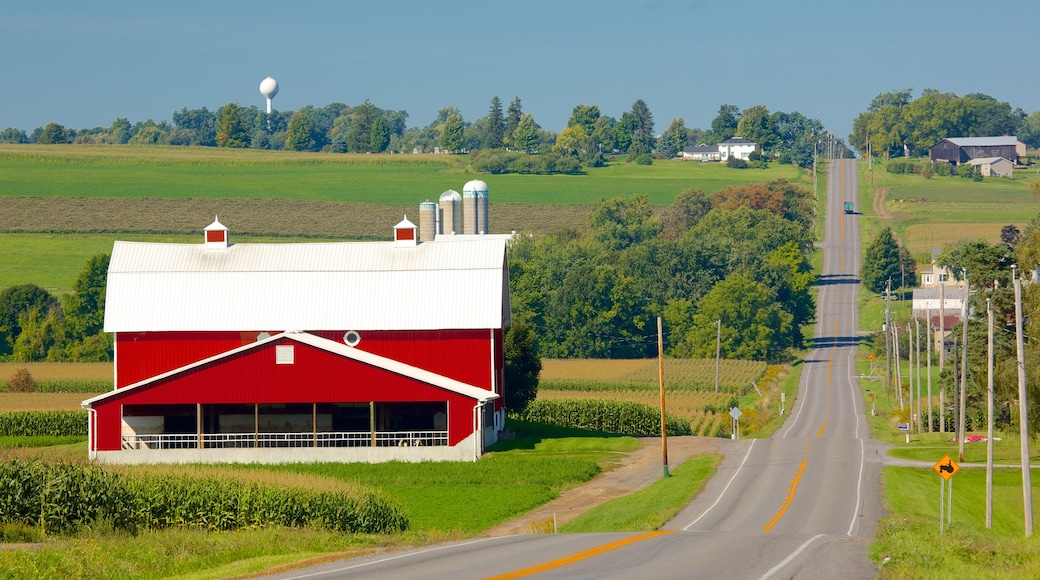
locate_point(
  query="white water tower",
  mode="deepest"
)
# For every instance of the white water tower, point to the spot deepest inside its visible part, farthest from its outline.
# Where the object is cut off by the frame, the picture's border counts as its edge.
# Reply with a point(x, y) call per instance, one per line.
point(269, 88)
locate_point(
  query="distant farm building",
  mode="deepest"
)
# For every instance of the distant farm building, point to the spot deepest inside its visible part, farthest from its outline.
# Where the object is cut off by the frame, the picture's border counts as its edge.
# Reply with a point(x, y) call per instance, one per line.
point(735, 147)
point(300, 352)
point(993, 167)
point(957, 150)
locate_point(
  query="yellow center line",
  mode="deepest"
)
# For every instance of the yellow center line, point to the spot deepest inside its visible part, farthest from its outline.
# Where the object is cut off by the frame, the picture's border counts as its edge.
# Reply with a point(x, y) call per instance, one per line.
point(790, 497)
point(559, 563)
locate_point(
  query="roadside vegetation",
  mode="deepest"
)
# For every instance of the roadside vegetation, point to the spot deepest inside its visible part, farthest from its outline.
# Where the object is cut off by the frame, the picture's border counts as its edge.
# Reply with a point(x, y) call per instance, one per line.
point(967, 221)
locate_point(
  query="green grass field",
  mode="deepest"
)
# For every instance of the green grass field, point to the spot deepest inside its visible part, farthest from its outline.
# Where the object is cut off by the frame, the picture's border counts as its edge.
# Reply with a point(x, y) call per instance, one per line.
point(404, 180)
point(63, 204)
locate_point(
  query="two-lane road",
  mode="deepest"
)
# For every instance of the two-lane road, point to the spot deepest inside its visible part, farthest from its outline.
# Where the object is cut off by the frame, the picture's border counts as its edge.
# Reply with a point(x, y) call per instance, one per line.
point(803, 503)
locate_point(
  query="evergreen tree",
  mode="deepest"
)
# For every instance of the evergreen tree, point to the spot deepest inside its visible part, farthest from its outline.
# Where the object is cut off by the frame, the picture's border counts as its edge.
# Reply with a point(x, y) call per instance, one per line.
point(643, 134)
point(881, 262)
point(513, 115)
point(494, 138)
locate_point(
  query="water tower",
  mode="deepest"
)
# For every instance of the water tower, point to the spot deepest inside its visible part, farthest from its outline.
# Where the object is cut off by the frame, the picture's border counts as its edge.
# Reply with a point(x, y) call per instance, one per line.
point(269, 88)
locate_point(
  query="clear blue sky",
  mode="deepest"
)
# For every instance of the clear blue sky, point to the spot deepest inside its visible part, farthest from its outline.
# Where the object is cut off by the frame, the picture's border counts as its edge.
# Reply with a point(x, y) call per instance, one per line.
point(82, 64)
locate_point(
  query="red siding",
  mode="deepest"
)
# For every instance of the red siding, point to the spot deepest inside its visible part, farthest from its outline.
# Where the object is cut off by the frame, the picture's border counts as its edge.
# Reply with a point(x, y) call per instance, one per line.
point(142, 355)
point(253, 377)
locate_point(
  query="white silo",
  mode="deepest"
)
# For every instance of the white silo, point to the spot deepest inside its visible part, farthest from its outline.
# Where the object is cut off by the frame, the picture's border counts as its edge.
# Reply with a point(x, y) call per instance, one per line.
point(478, 197)
point(469, 211)
point(427, 221)
point(450, 213)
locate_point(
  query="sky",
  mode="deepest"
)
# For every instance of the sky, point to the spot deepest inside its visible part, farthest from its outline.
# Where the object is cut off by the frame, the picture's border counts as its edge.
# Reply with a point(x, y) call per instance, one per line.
point(83, 64)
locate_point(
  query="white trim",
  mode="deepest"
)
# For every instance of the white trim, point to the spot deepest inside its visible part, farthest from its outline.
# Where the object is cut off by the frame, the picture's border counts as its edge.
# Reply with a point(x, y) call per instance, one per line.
point(421, 375)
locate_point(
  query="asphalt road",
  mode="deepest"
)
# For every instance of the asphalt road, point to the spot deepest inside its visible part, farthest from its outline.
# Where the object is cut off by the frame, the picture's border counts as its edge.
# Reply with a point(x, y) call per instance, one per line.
point(802, 504)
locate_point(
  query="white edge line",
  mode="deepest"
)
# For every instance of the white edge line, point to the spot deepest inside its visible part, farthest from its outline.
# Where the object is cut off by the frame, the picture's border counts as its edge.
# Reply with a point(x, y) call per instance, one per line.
point(788, 559)
point(805, 395)
point(723, 492)
point(391, 558)
point(862, 453)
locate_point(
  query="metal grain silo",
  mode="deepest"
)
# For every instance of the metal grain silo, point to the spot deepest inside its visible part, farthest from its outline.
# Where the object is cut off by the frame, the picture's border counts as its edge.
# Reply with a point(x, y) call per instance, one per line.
point(449, 220)
point(478, 191)
point(427, 221)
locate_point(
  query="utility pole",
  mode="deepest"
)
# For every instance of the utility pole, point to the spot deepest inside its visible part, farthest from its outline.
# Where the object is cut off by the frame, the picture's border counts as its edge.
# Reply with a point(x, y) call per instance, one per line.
point(1023, 411)
point(660, 373)
point(718, 351)
point(899, 365)
point(942, 324)
point(965, 311)
point(989, 415)
point(888, 332)
point(928, 345)
point(910, 361)
point(917, 355)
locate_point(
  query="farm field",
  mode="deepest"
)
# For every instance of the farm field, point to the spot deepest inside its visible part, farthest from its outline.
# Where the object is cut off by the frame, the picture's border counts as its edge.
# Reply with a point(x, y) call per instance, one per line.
point(401, 180)
point(63, 204)
point(689, 388)
point(929, 213)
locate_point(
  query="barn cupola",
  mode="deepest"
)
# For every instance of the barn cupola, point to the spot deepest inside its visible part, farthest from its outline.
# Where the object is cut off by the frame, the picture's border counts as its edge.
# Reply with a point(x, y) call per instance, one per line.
point(405, 234)
point(216, 236)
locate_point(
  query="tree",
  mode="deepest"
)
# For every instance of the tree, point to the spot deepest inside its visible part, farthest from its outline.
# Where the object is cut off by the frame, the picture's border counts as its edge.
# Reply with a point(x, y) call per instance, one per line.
point(522, 366)
point(362, 120)
point(85, 308)
point(451, 135)
point(496, 126)
point(231, 128)
point(724, 125)
point(753, 326)
point(298, 138)
point(525, 136)
point(513, 115)
point(678, 133)
point(380, 135)
point(689, 207)
point(120, 131)
point(618, 223)
point(584, 116)
point(53, 134)
point(12, 135)
point(881, 262)
point(200, 122)
point(643, 134)
point(756, 125)
point(1009, 235)
point(15, 303)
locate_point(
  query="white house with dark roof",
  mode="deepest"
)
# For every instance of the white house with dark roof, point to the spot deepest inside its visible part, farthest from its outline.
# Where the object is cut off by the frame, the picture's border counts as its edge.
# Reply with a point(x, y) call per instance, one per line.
point(736, 147)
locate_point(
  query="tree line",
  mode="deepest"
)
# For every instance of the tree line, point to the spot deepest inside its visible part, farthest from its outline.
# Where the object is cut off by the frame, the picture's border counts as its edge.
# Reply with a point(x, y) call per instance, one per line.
point(588, 139)
point(732, 265)
point(896, 124)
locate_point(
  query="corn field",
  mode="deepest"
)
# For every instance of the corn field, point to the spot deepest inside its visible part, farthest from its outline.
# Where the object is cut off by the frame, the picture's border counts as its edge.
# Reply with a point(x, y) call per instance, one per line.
point(609, 416)
point(62, 498)
point(734, 375)
point(36, 423)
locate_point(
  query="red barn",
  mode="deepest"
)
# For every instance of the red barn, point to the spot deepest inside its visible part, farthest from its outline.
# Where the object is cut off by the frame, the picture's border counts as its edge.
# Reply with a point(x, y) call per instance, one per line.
point(368, 351)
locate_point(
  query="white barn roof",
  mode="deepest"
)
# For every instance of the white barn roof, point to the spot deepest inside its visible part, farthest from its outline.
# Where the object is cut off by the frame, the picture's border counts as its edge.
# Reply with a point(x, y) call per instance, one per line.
point(308, 286)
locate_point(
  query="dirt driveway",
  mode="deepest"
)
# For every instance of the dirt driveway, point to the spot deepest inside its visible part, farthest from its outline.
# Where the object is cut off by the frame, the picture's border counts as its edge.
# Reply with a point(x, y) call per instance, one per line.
point(641, 468)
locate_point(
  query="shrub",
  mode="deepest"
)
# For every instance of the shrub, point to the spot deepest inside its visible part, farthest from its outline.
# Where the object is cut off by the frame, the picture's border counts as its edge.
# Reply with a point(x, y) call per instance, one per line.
point(21, 382)
point(736, 163)
point(644, 159)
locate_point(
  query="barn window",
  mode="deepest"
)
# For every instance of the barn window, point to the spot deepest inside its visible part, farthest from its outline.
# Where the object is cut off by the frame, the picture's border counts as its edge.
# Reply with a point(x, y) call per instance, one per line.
point(284, 354)
point(351, 338)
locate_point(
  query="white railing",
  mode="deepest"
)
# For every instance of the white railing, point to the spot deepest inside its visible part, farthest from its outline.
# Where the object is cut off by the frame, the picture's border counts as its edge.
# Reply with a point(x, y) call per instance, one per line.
point(247, 440)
